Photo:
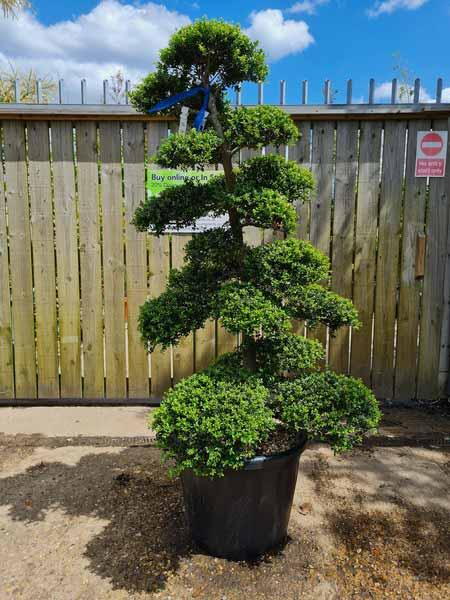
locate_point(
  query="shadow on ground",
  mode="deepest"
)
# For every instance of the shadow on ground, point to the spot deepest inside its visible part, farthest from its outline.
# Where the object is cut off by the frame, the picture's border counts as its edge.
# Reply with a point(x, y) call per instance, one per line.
point(144, 546)
point(146, 534)
point(416, 540)
point(389, 519)
point(382, 515)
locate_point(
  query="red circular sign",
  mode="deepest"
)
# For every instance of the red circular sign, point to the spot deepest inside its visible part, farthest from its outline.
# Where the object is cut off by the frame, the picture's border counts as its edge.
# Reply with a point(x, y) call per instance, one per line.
point(432, 144)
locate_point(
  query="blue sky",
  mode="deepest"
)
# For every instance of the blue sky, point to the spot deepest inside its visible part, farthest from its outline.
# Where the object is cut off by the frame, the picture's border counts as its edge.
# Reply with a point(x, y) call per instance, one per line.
point(309, 39)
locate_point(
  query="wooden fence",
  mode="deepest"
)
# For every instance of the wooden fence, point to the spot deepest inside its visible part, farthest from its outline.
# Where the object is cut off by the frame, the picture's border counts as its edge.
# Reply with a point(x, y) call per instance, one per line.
point(73, 271)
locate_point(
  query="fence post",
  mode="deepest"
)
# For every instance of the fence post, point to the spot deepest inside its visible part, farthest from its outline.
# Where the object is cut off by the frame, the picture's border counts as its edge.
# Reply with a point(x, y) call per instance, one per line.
point(327, 92)
point(349, 91)
point(260, 93)
point(83, 91)
point(305, 91)
point(371, 91)
point(439, 91)
point(282, 92)
point(239, 96)
point(105, 91)
point(394, 91)
point(416, 97)
point(38, 91)
point(60, 90)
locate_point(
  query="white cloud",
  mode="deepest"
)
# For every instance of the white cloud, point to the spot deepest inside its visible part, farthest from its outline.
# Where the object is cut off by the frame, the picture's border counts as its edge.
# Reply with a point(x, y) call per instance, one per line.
point(424, 96)
point(383, 92)
point(278, 36)
point(306, 6)
point(390, 6)
point(93, 46)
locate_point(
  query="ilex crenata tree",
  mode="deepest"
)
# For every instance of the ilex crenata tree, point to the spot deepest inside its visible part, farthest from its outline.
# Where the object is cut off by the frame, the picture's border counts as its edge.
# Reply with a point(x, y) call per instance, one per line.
point(256, 292)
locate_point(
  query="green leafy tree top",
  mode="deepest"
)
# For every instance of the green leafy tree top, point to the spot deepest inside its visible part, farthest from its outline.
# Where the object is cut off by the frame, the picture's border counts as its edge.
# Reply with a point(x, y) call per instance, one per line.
point(211, 53)
point(253, 291)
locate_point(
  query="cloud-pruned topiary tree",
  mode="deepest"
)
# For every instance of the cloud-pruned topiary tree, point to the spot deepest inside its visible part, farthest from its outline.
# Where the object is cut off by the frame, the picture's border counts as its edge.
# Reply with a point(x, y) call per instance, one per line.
point(214, 420)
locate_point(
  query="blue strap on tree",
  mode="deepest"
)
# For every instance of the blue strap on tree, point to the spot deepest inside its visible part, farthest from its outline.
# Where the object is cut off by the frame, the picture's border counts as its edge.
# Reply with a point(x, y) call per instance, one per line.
point(199, 121)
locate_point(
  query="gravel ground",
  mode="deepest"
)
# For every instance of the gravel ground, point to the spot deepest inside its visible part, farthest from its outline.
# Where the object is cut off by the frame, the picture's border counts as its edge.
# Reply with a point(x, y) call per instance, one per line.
point(89, 522)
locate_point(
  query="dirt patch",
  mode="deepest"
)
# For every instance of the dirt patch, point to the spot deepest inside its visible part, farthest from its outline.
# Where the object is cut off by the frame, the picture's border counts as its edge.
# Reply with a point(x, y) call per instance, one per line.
point(107, 524)
point(388, 517)
point(10, 455)
point(403, 554)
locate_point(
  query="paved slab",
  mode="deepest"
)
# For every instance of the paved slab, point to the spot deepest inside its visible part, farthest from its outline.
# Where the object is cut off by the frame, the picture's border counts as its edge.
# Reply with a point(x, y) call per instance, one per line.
point(130, 421)
point(398, 425)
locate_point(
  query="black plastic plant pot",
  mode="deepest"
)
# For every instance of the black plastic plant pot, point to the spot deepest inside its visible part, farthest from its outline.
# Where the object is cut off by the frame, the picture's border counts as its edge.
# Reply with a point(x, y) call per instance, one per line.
point(245, 513)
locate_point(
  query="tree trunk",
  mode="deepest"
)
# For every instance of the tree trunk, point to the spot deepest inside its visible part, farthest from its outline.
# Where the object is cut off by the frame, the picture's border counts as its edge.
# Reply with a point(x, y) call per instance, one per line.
point(236, 227)
point(230, 177)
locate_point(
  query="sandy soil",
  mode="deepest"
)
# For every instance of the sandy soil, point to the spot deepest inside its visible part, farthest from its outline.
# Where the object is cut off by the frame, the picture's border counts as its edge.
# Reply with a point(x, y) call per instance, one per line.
point(89, 522)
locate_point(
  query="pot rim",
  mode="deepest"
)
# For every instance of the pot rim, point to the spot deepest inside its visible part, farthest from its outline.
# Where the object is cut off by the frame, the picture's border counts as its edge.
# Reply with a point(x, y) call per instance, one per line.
point(257, 462)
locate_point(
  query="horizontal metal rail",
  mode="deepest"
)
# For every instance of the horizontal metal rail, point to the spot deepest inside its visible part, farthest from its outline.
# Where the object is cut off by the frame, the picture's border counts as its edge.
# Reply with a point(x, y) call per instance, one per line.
point(114, 112)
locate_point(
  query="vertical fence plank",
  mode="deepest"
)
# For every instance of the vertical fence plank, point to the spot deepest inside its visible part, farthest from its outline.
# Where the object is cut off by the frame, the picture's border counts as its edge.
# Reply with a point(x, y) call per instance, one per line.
point(387, 258)
point(248, 153)
point(205, 345)
point(301, 153)
point(444, 361)
point(90, 260)
point(6, 354)
point(322, 169)
point(183, 352)
point(410, 286)
point(43, 258)
point(62, 141)
point(159, 266)
point(136, 257)
point(157, 131)
point(253, 236)
point(20, 256)
point(433, 282)
point(365, 246)
point(343, 231)
point(225, 341)
point(113, 258)
point(270, 235)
